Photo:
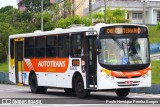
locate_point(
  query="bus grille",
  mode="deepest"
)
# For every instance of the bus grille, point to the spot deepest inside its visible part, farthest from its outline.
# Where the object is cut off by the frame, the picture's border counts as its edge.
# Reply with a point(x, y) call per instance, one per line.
point(131, 77)
point(129, 83)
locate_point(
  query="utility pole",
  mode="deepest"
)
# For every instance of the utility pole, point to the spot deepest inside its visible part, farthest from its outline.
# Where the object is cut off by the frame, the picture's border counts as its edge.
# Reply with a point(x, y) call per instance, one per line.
point(90, 7)
point(41, 15)
point(105, 15)
point(73, 7)
point(144, 12)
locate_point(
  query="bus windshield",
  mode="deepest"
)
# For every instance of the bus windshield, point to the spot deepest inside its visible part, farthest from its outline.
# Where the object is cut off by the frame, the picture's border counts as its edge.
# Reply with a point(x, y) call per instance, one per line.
point(124, 51)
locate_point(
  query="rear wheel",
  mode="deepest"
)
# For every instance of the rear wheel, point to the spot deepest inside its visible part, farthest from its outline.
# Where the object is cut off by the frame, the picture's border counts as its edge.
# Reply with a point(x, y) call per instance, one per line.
point(34, 85)
point(122, 92)
point(79, 88)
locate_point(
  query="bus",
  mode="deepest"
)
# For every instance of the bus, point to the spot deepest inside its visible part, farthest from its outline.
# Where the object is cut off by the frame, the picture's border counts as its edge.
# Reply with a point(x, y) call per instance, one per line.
point(82, 59)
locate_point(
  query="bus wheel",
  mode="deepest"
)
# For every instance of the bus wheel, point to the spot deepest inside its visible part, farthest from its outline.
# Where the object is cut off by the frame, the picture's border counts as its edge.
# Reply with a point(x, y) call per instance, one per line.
point(122, 92)
point(69, 90)
point(34, 85)
point(79, 88)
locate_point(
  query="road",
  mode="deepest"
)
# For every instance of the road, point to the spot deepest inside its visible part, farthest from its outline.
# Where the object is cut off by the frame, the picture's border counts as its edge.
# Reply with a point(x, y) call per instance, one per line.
point(58, 98)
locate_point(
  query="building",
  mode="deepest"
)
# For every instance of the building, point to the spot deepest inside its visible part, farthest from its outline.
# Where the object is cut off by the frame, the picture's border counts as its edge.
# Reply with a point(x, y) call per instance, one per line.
point(23, 8)
point(78, 6)
point(136, 10)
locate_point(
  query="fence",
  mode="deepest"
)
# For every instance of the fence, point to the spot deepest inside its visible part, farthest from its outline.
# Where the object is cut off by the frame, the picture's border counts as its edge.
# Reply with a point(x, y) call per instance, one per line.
point(154, 48)
point(4, 78)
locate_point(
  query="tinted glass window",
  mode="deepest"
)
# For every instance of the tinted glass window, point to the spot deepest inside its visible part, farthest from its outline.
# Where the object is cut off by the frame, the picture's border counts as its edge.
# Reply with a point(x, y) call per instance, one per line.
point(40, 47)
point(76, 45)
point(12, 48)
point(29, 47)
point(63, 46)
point(51, 46)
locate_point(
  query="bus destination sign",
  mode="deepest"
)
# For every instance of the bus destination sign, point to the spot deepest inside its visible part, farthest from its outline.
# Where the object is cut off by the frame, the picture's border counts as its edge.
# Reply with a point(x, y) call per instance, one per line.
point(125, 30)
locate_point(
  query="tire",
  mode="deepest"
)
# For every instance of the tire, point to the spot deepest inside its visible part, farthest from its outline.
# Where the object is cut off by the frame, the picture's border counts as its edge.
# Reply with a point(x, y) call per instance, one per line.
point(79, 88)
point(69, 90)
point(34, 85)
point(122, 92)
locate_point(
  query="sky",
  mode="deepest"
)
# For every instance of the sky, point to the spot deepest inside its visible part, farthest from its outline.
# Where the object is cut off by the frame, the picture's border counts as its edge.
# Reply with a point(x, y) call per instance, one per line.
point(4, 3)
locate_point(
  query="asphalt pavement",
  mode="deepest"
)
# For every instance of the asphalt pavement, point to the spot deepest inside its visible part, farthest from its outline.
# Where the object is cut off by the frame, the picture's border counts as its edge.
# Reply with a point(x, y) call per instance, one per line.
point(11, 95)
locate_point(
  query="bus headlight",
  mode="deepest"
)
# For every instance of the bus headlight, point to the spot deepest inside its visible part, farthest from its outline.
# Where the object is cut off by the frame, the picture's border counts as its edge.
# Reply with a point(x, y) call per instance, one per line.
point(107, 76)
point(112, 77)
point(143, 76)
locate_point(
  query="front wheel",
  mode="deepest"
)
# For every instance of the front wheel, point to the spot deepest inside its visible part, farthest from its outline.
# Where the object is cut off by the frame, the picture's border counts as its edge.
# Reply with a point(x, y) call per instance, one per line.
point(79, 88)
point(34, 85)
point(122, 92)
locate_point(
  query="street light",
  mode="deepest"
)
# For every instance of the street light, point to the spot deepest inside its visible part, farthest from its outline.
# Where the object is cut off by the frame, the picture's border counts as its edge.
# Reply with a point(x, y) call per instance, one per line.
point(41, 15)
point(144, 12)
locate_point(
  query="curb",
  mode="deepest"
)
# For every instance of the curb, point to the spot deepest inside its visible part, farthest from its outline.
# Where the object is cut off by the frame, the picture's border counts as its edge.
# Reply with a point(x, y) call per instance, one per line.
point(154, 89)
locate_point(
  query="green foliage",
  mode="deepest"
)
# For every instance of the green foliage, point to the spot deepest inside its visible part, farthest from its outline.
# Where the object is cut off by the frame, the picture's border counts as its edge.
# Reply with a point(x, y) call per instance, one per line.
point(112, 16)
point(116, 16)
point(5, 30)
point(35, 5)
point(98, 17)
point(64, 23)
point(158, 26)
point(4, 66)
point(155, 72)
point(47, 21)
point(154, 35)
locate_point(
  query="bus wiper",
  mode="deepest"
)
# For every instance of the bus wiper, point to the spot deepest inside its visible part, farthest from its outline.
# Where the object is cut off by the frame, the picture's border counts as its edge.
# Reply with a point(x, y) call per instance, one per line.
point(119, 44)
point(133, 52)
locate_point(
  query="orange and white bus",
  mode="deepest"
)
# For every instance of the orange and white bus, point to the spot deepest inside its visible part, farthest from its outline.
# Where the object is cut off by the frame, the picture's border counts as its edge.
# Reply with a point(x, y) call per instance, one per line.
point(82, 59)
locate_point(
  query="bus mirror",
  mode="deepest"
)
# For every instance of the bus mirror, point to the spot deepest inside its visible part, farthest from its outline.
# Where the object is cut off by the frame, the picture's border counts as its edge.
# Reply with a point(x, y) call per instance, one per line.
point(97, 44)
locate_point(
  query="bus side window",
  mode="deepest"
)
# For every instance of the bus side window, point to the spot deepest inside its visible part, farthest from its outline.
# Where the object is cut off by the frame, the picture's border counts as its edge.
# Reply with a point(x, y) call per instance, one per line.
point(51, 46)
point(40, 47)
point(12, 48)
point(29, 47)
point(76, 45)
point(63, 46)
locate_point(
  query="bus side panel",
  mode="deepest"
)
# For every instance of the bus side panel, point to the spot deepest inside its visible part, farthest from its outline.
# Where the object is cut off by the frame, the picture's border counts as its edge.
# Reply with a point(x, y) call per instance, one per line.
point(65, 79)
point(11, 66)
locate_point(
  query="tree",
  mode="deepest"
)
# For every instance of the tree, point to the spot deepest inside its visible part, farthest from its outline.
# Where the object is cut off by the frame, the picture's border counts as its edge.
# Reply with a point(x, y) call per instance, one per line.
point(118, 16)
point(10, 13)
point(64, 23)
point(35, 5)
point(98, 17)
point(47, 20)
point(55, 12)
point(5, 30)
point(112, 16)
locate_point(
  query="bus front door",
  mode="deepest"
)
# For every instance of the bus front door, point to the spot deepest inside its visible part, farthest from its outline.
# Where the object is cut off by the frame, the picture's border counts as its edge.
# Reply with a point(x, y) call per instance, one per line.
point(91, 66)
point(19, 61)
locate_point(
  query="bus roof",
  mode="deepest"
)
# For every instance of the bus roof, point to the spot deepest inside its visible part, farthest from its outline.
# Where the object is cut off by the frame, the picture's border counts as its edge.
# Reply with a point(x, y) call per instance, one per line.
point(70, 30)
